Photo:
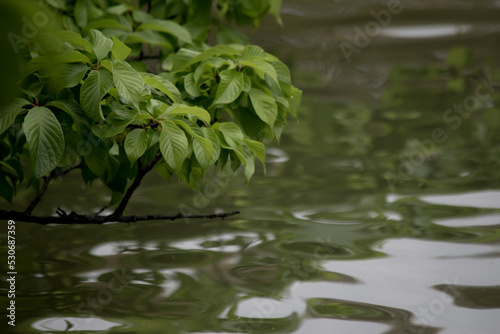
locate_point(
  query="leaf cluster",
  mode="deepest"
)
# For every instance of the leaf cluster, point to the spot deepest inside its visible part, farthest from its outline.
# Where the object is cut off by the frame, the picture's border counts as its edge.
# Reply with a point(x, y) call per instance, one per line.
point(88, 100)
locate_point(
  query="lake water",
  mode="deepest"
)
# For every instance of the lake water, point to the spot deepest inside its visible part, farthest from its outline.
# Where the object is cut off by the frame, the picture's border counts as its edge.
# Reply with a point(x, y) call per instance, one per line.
point(380, 211)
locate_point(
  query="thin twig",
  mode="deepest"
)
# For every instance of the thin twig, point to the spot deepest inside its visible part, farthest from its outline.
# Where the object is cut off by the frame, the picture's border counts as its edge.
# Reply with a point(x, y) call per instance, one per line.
point(67, 170)
point(143, 170)
point(38, 197)
point(46, 180)
point(75, 218)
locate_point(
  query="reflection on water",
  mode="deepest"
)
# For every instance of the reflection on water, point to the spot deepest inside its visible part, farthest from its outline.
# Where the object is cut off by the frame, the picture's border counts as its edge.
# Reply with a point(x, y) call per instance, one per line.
point(71, 324)
point(430, 31)
point(363, 224)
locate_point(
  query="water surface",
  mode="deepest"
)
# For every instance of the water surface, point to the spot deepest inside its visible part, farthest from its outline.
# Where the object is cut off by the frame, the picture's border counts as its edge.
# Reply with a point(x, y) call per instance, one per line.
point(365, 223)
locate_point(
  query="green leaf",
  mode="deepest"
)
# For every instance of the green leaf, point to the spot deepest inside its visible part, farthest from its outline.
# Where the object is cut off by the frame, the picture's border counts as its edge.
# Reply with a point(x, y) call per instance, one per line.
point(294, 101)
point(252, 51)
point(283, 76)
point(249, 169)
point(162, 85)
point(97, 157)
point(182, 58)
point(108, 65)
point(101, 44)
point(128, 82)
point(60, 4)
point(117, 121)
point(202, 147)
point(74, 39)
point(163, 170)
point(45, 140)
point(173, 144)
point(230, 87)
point(136, 143)
point(16, 166)
point(97, 84)
point(189, 126)
point(245, 156)
point(247, 85)
point(107, 24)
point(81, 13)
point(115, 149)
point(150, 37)
point(169, 27)
point(257, 148)
point(119, 9)
point(215, 51)
point(71, 75)
point(211, 135)
point(72, 108)
point(71, 57)
point(203, 150)
point(231, 132)
point(190, 85)
point(86, 11)
point(153, 136)
point(9, 113)
point(181, 109)
point(6, 189)
point(261, 67)
point(228, 35)
point(275, 10)
point(119, 50)
point(47, 64)
point(141, 16)
point(208, 68)
point(264, 105)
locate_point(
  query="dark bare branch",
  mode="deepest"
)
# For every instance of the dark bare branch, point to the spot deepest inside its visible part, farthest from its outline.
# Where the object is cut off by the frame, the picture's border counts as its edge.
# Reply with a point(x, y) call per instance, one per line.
point(75, 218)
point(39, 195)
point(143, 170)
point(45, 186)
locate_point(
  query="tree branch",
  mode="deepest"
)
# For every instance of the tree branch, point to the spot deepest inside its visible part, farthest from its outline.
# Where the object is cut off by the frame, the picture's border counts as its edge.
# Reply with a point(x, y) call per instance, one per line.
point(143, 170)
point(74, 218)
point(46, 180)
point(117, 216)
point(38, 197)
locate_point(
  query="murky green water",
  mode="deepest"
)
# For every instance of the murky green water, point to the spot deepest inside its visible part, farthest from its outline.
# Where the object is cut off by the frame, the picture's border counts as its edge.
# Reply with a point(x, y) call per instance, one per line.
point(380, 211)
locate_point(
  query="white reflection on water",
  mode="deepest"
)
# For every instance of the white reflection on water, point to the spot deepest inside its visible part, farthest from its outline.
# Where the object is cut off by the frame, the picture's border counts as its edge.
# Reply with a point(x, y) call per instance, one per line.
point(341, 326)
point(427, 31)
point(406, 277)
point(477, 199)
point(221, 243)
point(267, 308)
point(276, 155)
point(482, 220)
point(113, 248)
point(61, 324)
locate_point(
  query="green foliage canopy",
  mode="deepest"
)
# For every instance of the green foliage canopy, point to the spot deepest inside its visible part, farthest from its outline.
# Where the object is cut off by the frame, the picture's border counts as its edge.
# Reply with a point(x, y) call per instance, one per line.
point(113, 85)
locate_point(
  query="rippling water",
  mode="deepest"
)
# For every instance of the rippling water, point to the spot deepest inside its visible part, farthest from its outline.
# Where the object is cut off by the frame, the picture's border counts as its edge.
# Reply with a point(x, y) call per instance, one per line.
point(324, 243)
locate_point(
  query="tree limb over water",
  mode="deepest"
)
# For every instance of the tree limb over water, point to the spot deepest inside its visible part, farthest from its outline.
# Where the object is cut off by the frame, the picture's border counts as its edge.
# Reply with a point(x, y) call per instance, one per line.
point(64, 218)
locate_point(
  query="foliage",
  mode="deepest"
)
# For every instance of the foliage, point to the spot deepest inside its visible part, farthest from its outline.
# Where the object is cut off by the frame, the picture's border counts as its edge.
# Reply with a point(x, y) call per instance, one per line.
point(112, 83)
